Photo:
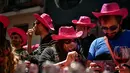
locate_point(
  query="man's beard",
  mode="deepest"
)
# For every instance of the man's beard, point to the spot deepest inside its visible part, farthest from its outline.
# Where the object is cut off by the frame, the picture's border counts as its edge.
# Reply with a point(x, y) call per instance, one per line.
point(115, 36)
point(37, 32)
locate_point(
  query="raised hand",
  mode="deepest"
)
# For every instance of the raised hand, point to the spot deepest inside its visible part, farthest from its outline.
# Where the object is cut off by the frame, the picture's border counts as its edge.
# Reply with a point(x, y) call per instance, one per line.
point(72, 56)
point(30, 34)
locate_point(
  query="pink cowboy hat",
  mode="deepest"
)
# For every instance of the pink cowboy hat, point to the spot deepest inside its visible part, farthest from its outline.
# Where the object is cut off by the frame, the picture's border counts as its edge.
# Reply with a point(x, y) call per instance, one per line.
point(84, 21)
point(45, 19)
point(4, 20)
point(20, 32)
point(67, 32)
point(111, 9)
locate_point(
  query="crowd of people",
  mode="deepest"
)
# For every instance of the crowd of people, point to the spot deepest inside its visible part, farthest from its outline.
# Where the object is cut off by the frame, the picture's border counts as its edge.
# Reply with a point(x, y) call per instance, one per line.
point(72, 50)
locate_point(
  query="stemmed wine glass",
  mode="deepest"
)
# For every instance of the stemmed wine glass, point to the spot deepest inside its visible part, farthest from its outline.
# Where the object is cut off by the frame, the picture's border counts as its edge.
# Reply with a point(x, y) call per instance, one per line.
point(122, 55)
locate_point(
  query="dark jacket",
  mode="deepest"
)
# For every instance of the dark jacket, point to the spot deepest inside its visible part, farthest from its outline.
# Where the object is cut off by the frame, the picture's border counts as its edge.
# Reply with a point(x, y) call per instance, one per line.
point(46, 42)
point(85, 43)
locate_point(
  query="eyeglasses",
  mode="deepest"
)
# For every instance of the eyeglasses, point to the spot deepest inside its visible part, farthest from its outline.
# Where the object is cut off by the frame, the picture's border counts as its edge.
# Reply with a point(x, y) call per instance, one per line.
point(68, 41)
point(112, 28)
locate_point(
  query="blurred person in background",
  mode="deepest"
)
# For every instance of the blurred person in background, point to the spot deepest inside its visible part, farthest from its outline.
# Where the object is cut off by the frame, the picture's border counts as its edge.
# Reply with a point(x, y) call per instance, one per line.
point(84, 24)
point(33, 68)
point(76, 67)
point(64, 51)
point(8, 59)
point(49, 67)
point(18, 40)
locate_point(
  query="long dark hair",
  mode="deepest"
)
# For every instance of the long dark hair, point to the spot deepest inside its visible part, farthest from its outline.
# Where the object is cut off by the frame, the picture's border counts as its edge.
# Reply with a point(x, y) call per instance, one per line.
point(6, 52)
point(60, 49)
point(63, 54)
point(2, 35)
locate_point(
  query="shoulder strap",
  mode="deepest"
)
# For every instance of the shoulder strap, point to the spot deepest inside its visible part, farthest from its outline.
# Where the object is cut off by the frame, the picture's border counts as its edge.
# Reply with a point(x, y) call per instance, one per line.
point(110, 50)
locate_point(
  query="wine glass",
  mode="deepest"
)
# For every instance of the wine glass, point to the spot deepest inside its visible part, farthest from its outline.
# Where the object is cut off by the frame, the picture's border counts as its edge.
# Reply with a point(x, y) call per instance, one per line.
point(122, 55)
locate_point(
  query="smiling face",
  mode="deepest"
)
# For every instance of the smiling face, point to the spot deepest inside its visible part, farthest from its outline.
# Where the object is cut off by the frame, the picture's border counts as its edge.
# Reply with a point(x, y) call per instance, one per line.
point(16, 39)
point(110, 26)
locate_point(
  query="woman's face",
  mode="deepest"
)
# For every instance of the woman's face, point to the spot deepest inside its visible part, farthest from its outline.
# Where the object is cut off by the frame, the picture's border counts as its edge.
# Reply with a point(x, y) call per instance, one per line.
point(69, 45)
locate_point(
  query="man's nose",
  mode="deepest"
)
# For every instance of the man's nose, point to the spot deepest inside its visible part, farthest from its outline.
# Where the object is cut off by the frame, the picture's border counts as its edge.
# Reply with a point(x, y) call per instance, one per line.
point(108, 31)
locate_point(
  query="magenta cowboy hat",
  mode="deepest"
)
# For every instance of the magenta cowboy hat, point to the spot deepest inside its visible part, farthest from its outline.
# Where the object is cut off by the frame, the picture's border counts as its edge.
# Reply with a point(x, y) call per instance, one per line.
point(4, 20)
point(20, 32)
point(111, 9)
point(67, 32)
point(45, 19)
point(84, 21)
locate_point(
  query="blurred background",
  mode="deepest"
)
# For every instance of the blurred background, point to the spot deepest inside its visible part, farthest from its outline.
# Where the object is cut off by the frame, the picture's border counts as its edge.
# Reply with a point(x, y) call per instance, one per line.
point(20, 12)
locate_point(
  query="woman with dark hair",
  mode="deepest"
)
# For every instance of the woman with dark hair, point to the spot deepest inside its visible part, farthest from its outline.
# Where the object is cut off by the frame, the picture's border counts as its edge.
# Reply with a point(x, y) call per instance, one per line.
point(64, 46)
point(65, 50)
point(8, 60)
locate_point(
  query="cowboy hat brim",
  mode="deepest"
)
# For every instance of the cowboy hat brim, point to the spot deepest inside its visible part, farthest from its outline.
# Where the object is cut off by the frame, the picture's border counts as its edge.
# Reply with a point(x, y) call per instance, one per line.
point(43, 21)
point(4, 20)
point(60, 37)
point(20, 32)
point(122, 12)
point(91, 25)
